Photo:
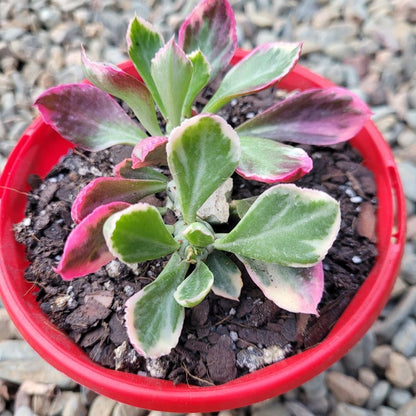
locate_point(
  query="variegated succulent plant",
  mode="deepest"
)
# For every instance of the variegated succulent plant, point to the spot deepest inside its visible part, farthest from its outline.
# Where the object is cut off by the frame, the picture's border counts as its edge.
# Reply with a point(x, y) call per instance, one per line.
point(281, 236)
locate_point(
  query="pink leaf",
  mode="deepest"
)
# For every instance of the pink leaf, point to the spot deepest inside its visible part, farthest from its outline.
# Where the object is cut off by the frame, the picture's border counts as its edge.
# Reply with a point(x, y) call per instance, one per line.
point(104, 190)
point(297, 290)
point(85, 249)
point(211, 28)
point(268, 161)
point(150, 151)
point(120, 84)
point(87, 117)
point(317, 117)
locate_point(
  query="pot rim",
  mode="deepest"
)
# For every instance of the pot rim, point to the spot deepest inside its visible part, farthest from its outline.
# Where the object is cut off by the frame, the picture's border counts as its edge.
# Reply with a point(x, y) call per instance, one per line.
point(149, 393)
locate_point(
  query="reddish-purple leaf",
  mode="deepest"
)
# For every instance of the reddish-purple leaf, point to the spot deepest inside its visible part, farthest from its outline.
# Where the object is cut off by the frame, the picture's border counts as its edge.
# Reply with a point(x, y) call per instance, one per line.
point(268, 161)
point(87, 117)
point(317, 117)
point(150, 152)
point(211, 28)
point(85, 249)
point(104, 190)
point(120, 84)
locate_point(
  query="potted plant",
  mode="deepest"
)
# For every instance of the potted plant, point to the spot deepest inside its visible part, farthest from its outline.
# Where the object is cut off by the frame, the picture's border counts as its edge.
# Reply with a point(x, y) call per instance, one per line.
point(279, 238)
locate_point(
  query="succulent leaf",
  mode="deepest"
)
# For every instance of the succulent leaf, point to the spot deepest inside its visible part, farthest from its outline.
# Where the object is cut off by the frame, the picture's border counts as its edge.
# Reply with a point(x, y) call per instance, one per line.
point(200, 78)
point(172, 73)
point(87, 117)
point(263, 67)
point(198, 234)
point(317, 117)
point(124, 169)
point(109, 189)
point(120, 84)
point(137, 234)
point(227, 276)
point(211, 28)
point(202, 153)
point(150, 151)
point(268, 161)
point(195, 287)
point(297, 290)
point(287, 225)
point(143, 42)
point(85, 249)
point(154, 330)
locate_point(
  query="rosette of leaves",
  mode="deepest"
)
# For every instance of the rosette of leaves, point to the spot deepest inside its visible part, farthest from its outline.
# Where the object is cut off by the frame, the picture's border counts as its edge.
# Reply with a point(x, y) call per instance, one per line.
point(281, 236)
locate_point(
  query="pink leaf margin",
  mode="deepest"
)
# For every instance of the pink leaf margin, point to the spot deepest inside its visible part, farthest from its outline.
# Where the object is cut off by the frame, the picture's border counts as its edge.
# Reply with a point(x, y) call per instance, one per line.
point(85, 249)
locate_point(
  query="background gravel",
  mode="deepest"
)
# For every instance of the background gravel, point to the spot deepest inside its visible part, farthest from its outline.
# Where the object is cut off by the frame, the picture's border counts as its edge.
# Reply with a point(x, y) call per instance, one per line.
point(368, 46)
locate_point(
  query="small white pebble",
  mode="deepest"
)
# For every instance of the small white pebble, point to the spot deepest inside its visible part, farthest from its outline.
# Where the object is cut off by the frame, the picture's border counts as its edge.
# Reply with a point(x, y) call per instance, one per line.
point(128, 290)
point(95, 171)
point(233, 102)
point(350, 192)
point(43, 212)
point(27, 221)
point(356, 260)
point(232, 312)
point(251, 114)
point(356, 199)
point(233, 335)
point(53, 180)
point(234, 119)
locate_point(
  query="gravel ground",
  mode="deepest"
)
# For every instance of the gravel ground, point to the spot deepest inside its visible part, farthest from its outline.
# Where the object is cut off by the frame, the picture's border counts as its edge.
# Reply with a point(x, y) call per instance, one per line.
point(368, 46)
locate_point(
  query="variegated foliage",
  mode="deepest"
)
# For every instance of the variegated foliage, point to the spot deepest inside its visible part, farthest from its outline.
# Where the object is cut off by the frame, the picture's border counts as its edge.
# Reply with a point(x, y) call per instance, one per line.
point(281, 236)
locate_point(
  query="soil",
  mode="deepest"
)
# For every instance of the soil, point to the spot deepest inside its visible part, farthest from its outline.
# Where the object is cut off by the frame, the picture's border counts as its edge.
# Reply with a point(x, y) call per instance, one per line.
point(221, 339)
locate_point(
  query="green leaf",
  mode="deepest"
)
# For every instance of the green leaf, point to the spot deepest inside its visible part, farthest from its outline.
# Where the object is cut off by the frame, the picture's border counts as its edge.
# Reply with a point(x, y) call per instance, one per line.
point(287, 225)
point(195, 287)
point(198, 234)
point(120, 84)
point(202, 153)
point(200, 78)
point(227, 276)
point(124, 169)
point(263, 67)
point(154, 319)
point(297, 290)
point(137, 234)
point(239, 207)
point(143, 41)
point(172, 73)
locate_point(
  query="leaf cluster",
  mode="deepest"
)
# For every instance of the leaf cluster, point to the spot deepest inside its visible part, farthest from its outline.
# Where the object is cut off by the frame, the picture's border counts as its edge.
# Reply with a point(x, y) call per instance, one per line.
point(281, 236)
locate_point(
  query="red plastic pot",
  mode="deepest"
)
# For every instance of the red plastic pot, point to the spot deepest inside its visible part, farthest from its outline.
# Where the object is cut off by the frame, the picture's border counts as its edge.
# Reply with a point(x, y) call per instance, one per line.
point(41, 147)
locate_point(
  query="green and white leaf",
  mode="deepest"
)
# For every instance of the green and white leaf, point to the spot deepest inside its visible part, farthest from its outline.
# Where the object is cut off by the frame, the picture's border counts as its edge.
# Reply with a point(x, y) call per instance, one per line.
point(262, 68)
point(138, 234)
point(202, 153)
point(195, 287)
point(172, 73)
point(287, 225)
point(227, 276)
point(199, 234)
point(143, 41)
point(200, 78)
point(154, 319)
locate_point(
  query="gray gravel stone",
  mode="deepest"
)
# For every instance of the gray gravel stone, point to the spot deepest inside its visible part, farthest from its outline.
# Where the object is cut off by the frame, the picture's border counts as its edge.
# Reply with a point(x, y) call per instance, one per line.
point(398, 398)
point(385, 411)
point(347, 389)
point(343, 409)
point(409, 409)
point(404, 339)
point(378, 394)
